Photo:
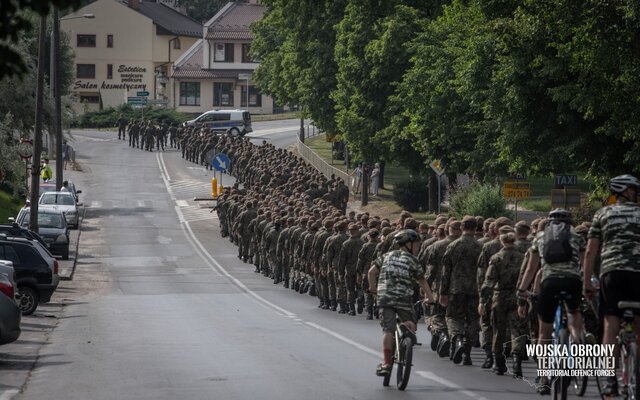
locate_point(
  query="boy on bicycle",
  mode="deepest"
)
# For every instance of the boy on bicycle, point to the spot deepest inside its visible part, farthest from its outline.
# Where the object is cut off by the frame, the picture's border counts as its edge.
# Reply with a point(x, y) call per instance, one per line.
point(396, 273)
point(614, 236)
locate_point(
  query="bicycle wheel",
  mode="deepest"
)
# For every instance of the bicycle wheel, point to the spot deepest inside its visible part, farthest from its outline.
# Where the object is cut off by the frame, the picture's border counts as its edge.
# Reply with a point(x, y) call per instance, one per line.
point(600, 382)
point(633, 392)
point(404, 363)
point(580, 385)
point(561, 384)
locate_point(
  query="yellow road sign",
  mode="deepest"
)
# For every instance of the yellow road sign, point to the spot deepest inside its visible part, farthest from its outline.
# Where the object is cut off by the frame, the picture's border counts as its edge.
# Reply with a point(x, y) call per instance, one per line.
point(519, 190)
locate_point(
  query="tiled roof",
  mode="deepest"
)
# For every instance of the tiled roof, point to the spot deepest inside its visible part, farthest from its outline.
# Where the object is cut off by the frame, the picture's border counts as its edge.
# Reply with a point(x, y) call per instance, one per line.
point(233, 21)
point(190, 67)
point(170, 21)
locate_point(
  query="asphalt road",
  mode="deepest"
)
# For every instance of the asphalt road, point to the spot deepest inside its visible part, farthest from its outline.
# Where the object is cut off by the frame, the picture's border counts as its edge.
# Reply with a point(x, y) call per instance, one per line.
point(166, 310)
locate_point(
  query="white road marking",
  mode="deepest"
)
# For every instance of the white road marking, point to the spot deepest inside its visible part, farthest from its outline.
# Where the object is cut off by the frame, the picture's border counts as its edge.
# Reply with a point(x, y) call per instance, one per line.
point(216, 267)
point(265, 132)
point(182, 203)
point(96, 204)
point(445, 382)
point(141, 203)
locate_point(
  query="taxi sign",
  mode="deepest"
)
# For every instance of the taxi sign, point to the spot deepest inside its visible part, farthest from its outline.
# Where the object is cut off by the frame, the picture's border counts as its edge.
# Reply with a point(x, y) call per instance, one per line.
point(519, 190)
point(437, 167)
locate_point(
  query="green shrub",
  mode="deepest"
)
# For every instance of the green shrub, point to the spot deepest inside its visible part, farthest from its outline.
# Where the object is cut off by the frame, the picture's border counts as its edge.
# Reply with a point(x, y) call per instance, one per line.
point(412, 194)
point(107, 118)
point(478, 199)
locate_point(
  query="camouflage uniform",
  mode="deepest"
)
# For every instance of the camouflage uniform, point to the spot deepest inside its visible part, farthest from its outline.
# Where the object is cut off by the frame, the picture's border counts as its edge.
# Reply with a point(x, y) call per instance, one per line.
point(319, 264)
point(500, 285)
point(365, 258)
point(347, 267)
point(488, 250)
point(459, 283)
point(333, 252)
point(432, 261)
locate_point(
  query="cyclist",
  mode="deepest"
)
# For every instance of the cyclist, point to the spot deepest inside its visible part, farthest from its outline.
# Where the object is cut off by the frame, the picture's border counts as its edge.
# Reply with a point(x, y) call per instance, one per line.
point(614, 236)
point(396, 273)
point(560, 263)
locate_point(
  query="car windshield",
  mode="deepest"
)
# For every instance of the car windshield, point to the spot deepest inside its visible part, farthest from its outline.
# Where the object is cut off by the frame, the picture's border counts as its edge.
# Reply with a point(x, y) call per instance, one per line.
point(59, 199)
point(49, 220)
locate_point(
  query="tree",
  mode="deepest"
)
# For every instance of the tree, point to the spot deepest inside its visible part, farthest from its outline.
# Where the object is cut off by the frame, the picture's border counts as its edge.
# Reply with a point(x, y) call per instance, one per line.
point(14, 21)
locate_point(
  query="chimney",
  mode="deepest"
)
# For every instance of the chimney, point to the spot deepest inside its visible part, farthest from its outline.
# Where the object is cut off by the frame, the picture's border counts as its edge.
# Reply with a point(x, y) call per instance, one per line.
point(135, 4)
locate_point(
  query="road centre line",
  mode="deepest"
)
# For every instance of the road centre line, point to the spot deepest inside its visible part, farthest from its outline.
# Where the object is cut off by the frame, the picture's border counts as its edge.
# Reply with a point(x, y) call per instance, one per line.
point(217, 267)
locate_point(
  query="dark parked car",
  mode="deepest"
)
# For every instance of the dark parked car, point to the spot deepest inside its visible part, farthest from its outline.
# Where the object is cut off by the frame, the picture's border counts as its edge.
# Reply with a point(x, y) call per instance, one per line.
point(36, 271)
point(9, 312)
point(17, 231)
point(52, 226)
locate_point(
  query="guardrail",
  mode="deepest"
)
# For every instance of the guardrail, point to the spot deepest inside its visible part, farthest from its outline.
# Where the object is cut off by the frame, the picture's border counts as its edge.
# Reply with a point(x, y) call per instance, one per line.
point(321, 165)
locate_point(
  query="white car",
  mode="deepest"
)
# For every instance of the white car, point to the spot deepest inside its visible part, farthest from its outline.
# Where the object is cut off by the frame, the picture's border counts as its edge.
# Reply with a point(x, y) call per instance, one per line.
point(64, 202)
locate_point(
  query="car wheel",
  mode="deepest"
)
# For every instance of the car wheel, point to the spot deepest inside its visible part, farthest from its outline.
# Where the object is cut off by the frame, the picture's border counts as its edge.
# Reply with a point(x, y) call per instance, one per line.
point(27, 299)
point(234, 132)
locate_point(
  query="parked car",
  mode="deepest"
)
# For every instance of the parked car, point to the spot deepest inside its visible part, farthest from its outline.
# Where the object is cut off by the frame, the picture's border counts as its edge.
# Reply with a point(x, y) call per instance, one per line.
point(65, 202)
point(51, 187)
point(10, 315)
point(14, 229)
point(52, 227)
point(233, 122)
point(6, 267)
point(36, 271)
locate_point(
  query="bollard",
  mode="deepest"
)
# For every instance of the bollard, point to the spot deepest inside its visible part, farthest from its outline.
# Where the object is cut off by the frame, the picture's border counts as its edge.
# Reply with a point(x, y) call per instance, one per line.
point(220, 189)
point(214, 187)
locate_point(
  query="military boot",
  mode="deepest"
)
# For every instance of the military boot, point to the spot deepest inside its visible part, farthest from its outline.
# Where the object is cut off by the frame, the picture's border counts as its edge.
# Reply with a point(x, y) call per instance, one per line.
point(444, 345)
point(435, 338)
point(369, 313)
point(360, 304)
point(517, 366)
point(327, 304)
point(488, 360)
point(458, 350)
point(334, 305)
point(343, 308)
point(321, 305)
point(352, 309)
point(500, 366)
point(467, 354)
point(376, 313)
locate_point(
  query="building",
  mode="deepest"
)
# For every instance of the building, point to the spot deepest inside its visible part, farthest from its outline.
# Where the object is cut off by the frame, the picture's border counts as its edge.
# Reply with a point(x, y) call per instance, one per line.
point(215, 73)
point(128, 47)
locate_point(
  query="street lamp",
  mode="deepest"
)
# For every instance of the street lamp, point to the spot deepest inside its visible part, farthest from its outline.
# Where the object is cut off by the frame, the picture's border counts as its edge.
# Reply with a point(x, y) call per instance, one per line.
point(55, 84)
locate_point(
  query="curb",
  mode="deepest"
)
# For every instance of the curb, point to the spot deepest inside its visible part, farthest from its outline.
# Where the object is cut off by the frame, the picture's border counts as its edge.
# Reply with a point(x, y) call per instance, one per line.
point(75, 259)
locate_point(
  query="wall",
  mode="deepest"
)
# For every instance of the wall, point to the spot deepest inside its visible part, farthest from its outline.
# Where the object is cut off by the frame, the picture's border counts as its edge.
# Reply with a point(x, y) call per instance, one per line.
point(206, 98)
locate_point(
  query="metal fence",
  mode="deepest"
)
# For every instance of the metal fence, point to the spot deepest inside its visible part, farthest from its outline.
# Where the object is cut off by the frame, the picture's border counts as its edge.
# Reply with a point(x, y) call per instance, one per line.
point(321, 165)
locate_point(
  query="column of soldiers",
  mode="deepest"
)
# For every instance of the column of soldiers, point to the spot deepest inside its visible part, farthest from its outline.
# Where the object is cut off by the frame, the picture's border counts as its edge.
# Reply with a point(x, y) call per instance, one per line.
point(290, 222)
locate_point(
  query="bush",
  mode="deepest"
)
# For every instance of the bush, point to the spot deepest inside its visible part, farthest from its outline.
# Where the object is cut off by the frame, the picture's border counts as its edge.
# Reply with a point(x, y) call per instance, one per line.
point(478, 199)
point(412, 194)
point(107, 118)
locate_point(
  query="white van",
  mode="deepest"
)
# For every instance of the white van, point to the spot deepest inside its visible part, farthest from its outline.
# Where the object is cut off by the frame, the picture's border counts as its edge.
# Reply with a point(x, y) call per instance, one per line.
point(234, 122)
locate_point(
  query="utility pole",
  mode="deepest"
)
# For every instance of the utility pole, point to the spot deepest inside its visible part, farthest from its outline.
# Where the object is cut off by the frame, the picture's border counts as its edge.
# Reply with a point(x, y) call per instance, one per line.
point(57, 97)
point(37, 140)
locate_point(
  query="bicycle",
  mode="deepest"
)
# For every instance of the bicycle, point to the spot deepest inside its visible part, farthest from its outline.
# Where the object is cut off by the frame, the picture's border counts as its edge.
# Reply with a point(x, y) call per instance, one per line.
point(561, 337)
point(628, 342)
point(402, 354)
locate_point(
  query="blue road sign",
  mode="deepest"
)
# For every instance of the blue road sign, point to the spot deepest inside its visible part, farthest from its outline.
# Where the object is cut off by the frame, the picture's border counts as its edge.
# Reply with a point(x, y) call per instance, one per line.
point(221, 162)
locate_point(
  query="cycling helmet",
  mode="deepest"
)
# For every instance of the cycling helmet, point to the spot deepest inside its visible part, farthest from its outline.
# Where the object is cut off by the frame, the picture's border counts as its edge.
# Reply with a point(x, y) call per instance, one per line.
point(621, 183)
point(406, 236)
point(560, 214)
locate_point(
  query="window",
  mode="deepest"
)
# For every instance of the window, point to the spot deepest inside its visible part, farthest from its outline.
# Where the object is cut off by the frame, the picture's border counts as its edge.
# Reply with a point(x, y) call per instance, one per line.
point(91, 99)
point(87, 71)
point(255, 97)
point(109, 71)
point(176, 43)
point(11, 255)
point(246, 58)
point(223, 52)
point(189, 93)
point(86, 41)
point(109, 40)
point(223, 94)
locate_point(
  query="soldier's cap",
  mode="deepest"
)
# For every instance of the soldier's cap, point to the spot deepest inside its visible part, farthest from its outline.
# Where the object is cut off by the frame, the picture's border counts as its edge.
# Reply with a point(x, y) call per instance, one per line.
point(373, 233)
point(505, 229)
point(405, 214)
point(328, 223)
point(502, 221)
point(582, 229)
point(316, 225)
point(454, 224)
point(386, 230)
point(440, 220)
point(341, 225)
point(469, 222)
point(354, 227)
point(410, 223)
point(489, 221)
point(523, 225)
point(372, 223)
point(423, 226)
point(441, 226)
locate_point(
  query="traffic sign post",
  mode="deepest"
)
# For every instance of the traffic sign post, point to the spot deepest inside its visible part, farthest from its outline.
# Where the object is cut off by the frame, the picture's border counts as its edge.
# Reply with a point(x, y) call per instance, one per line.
point(438, 168)
point(516, 190)
point(565, 198)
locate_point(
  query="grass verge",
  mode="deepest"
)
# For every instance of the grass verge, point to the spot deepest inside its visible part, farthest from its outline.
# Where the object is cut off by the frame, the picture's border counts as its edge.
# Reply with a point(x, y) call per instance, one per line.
point(539, 205)
point(9, 207)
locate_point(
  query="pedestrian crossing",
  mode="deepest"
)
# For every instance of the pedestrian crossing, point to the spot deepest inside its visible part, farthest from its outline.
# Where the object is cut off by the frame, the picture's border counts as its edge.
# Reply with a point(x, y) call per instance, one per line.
point(187, 211)
point(193, 213)
point(190, 188)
